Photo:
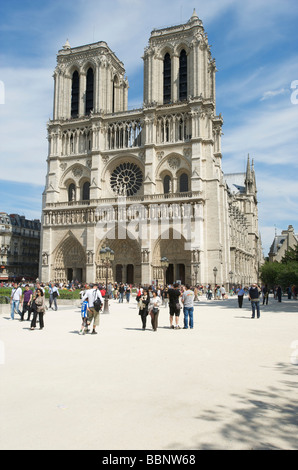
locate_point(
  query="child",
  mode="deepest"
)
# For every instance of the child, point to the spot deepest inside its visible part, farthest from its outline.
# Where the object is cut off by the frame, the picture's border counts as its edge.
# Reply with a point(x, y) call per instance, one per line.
point(84, 315)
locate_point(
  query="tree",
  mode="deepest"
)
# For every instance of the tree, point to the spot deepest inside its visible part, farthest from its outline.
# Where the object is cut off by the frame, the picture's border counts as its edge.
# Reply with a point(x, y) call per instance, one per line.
point(291, 255)
point(270, 272)
point(288, 275)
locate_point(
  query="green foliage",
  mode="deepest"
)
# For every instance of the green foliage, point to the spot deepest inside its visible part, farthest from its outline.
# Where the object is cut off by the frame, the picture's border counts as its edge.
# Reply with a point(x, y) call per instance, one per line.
point(269, 273)
point(290, 255)
point(288, 276)
point(283, 274)
point(64, 294)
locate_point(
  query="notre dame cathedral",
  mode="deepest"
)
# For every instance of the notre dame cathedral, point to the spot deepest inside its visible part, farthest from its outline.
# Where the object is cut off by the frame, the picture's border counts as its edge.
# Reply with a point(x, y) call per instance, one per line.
point(148, 183)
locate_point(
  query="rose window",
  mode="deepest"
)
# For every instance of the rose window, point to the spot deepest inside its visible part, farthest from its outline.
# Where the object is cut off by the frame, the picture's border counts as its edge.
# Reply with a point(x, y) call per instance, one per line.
point(126, 179)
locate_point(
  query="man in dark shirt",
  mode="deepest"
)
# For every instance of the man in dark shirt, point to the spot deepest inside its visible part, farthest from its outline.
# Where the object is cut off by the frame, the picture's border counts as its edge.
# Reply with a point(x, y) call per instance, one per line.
point(26, 302)
point(254, 297)
point(174, 305)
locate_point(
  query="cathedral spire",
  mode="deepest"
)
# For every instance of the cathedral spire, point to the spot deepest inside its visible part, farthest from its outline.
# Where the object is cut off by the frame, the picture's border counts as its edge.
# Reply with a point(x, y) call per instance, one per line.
point(195, 18)
point(250, 179)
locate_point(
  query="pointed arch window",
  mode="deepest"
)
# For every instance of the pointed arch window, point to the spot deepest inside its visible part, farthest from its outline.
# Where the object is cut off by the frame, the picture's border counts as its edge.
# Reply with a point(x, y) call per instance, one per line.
point(89, 91)
point(183, 183)
point(75, 92)
point(115, 94)
point(86, 191)
point(183, 76)
point(167, 78)
point(167, 184)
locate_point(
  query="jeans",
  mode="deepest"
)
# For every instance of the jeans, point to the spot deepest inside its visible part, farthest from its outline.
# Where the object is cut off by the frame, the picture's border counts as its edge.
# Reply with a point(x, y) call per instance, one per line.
point(255, 305)
point(14, 306)
point(188, 313)
point(121, 294)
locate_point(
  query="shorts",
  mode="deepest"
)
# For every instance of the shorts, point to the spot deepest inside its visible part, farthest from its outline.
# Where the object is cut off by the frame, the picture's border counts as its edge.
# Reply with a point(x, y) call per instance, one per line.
point(174, 311)
point(93, 315)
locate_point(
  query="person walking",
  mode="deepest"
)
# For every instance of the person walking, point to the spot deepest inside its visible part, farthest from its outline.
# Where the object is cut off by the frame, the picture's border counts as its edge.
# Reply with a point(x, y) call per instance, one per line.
point(127, 293)
point(55, 293)
point(279, 293)
point(188, 307)
point(15, 300)
point(38, 309)
point(154, 305)
point(50, 294)
point(240, 294)
point(26, 302)
point(143, 305)
point(121, 293)
point(174, 305)
point(165, 296)
point(92, 295)
point(254, 297)
point(265, 292)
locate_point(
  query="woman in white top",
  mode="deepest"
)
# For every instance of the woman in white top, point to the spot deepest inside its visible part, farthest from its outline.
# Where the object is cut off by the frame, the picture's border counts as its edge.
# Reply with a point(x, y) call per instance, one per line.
point(154, 305)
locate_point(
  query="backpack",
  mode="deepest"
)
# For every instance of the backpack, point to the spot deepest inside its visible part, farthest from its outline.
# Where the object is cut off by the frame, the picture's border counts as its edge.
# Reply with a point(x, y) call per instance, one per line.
point(97, 304)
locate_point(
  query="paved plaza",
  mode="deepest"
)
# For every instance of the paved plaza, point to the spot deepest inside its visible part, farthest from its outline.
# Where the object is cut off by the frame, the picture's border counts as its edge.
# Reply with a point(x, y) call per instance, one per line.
point(230, 383)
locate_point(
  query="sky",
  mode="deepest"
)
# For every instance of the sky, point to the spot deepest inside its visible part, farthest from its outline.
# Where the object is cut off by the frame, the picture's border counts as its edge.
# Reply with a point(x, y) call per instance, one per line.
point(254, 44)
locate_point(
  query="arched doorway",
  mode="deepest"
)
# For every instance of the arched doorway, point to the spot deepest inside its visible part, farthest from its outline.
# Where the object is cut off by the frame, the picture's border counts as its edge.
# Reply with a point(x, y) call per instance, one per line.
point(173, 248)
point(126, 267)
point(130, 274)
point(69, 261)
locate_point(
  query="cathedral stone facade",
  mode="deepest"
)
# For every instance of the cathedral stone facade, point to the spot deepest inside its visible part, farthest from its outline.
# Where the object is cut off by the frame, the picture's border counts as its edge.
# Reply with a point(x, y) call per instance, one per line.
point(147, 182)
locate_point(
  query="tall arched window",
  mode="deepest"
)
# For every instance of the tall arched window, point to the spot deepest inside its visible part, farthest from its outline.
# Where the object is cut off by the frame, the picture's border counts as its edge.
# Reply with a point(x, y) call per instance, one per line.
point(167, 184)
point(183, 76)
point(89, 91)
point(183, 183)
point(115, 103)
point(75, 94)
point(167, 78)
point(86, 191)
point(71, 193)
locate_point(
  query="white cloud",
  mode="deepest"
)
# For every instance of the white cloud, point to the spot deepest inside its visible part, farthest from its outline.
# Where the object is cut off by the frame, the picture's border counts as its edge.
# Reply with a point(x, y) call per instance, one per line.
point(271, 94)
point(28, 105)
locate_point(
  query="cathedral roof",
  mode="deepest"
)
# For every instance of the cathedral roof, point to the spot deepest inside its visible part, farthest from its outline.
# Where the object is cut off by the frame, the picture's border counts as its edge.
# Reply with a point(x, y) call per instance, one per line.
point(236, 182)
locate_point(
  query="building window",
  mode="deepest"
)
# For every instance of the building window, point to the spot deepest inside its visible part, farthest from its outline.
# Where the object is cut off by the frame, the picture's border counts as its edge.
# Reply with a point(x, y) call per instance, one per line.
point(71, 193)
point(115, 90)
point(183, 183)
point(167, 78)
point(126, 179)
point(183, 76)
point(75, 93)
point(89, 92)
point(167, 184)
point(86, 191)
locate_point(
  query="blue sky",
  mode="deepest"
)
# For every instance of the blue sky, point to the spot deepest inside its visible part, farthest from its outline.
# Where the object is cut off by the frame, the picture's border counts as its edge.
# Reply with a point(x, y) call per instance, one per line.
point(255, 47)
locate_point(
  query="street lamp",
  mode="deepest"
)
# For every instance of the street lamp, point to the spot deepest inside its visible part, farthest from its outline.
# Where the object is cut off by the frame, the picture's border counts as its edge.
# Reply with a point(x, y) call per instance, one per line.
point(215, 274)
point(165, 264)
point(196, 270)
point(231, 278)
point(107, 256)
